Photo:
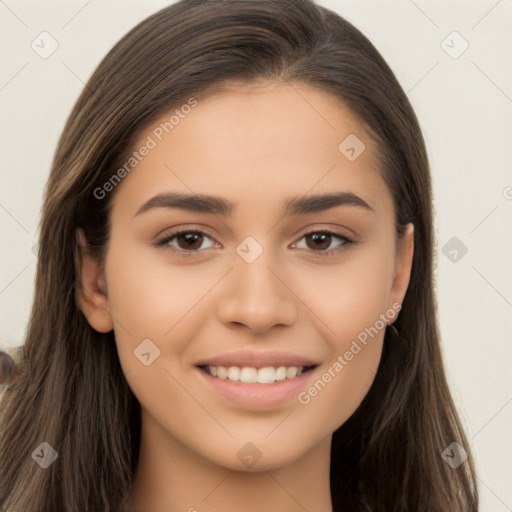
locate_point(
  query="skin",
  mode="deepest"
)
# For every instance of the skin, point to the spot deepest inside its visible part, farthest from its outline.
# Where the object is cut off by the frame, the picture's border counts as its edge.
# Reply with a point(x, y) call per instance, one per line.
point(256, 146)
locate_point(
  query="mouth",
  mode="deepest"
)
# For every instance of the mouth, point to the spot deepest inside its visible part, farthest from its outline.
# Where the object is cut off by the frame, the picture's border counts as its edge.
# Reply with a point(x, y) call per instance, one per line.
point(257, 380)
point(256, 375)
point(257, 388)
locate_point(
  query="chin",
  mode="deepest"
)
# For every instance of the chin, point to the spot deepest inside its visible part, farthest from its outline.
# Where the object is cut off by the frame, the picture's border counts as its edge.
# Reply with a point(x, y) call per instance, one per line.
point(254, 457)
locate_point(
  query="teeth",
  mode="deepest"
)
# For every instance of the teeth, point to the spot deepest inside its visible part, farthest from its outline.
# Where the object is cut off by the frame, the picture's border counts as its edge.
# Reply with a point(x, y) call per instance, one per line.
point(247, 375)
point(281, 373)
point(251, 375)
point(267, 375)
point(291, 372)
point(222, 373)
point(234, 373)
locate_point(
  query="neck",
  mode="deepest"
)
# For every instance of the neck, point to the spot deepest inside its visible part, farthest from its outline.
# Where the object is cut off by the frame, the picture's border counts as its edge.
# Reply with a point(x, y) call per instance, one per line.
point(172, 477)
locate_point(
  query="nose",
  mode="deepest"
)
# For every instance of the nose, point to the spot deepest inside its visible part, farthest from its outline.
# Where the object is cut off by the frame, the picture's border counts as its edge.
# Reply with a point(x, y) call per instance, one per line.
point(257, 296)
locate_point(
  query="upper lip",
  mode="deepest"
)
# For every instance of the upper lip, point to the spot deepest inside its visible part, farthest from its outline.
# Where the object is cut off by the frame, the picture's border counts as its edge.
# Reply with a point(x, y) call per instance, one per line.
point(257, 359)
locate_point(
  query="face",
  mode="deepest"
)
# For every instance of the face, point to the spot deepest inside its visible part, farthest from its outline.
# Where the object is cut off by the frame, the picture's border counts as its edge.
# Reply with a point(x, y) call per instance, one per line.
point(289, 267)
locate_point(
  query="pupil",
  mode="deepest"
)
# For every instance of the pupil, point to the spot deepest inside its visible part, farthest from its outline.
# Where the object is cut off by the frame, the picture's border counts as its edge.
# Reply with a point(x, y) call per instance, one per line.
point(317, 237)
point(190, 238)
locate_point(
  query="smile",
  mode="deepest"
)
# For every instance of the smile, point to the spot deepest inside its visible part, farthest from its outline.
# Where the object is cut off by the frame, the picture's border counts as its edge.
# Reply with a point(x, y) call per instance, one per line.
point(253, 375)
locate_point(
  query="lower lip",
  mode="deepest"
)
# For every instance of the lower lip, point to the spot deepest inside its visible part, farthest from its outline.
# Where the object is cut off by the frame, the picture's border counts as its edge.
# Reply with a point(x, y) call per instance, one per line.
point(258, 396)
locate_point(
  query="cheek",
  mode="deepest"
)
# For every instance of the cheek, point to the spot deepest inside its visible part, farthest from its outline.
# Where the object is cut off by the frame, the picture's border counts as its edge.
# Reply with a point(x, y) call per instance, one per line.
point(350, 302)
point(340, 387)
point(150, 293)
point(152, 298)
point(350, 295)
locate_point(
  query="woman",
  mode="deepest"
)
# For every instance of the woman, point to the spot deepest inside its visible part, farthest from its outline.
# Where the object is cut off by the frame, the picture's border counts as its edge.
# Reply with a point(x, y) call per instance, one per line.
point(293, 362)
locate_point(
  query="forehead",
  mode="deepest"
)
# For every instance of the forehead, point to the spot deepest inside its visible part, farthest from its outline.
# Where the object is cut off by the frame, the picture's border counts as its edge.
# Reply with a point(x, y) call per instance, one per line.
point(257, 143)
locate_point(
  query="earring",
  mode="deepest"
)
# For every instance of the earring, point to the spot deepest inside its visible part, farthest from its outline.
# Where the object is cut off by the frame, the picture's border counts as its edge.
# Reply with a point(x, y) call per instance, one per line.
point(396, 334)
point(7, 368)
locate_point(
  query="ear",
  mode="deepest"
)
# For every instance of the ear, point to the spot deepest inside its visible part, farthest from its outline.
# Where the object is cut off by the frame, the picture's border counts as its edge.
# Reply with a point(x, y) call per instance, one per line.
point(403, 265)
point(91, 295)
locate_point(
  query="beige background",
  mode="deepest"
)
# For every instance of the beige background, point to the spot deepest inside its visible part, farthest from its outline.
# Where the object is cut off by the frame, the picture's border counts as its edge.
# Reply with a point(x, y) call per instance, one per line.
point(465, 108)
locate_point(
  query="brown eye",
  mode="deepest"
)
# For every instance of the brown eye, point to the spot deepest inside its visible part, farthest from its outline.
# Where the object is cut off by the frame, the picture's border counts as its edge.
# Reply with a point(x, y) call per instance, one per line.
point(189, 240)
point(186, 241)
point(320, 241)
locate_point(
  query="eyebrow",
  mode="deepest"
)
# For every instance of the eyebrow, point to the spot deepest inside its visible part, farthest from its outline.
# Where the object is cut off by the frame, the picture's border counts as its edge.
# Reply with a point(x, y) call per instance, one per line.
point(220, 206)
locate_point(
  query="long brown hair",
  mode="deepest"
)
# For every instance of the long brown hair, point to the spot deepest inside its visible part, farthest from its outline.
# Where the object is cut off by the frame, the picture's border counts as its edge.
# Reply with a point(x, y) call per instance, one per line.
point(70, 390)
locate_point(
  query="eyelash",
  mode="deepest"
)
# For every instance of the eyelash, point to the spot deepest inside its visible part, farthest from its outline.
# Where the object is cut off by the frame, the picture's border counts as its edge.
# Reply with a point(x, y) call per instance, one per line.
point(163, 243)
